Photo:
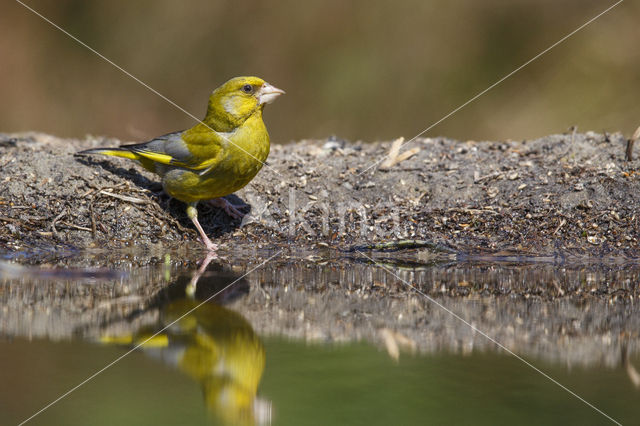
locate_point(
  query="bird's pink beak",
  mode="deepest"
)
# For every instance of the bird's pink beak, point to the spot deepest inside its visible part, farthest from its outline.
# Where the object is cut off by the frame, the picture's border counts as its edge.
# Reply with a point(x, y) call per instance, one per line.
point(268, 93)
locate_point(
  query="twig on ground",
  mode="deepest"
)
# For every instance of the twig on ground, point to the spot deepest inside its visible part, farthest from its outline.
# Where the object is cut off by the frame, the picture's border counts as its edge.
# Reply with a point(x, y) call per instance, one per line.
point(73, 226)
point(394, 157)
point(473, 211)
point(53, 224)
point(630, 143)
point(562, 222)
point(124, 197)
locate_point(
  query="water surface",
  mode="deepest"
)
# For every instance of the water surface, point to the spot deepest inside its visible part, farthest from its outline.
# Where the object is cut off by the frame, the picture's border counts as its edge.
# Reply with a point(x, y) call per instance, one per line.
point(317, 339)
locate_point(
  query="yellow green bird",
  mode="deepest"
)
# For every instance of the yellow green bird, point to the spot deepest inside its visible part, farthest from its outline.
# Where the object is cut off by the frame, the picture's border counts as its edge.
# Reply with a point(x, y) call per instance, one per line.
point(217, 156)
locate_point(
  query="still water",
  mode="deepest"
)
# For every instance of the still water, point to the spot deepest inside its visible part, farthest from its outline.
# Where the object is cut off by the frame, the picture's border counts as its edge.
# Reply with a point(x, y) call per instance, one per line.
point(316, 339)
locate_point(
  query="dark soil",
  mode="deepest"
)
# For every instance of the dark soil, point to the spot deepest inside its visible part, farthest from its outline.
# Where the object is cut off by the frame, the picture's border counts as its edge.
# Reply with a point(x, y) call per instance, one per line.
point(561, 195)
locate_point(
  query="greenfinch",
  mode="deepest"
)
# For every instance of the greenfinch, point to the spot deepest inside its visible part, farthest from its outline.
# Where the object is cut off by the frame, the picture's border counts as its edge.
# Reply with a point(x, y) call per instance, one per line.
point(217, 156)
point(215, 346)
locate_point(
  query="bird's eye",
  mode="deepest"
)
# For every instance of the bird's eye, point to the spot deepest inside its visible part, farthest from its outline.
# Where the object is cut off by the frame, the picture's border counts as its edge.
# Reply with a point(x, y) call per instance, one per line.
point(247, 88)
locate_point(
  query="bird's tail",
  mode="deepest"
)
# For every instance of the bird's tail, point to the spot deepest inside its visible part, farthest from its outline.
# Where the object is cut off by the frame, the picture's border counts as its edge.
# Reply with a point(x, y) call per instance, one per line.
point(115, 152)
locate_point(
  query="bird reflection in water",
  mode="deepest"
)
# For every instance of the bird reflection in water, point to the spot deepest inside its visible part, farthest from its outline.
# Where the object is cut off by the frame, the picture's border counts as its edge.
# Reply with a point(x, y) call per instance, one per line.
point(214, 345)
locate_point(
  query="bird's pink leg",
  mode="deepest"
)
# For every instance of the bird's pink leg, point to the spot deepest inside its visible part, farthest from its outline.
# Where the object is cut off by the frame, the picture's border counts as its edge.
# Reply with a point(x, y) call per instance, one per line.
point(190, 290)
point(192, 212)
point(230, 209)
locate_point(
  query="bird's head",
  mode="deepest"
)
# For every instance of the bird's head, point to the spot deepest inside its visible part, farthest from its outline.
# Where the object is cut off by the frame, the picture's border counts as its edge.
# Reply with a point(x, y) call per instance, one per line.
point(237, 99)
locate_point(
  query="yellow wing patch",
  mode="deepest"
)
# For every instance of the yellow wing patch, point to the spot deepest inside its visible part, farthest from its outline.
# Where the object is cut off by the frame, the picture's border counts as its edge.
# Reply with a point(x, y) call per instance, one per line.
point(156, 156)
point(170, 161)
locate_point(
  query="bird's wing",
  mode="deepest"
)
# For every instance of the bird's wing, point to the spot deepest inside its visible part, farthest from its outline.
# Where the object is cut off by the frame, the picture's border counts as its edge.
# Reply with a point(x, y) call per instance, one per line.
point(188, 149)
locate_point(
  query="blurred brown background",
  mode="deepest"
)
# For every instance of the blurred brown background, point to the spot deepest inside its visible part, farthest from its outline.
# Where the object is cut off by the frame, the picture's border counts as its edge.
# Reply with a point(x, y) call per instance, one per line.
point(364, 70)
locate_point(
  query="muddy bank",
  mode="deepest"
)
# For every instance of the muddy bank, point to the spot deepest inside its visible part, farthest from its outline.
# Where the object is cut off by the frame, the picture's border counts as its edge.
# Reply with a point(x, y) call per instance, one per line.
point(569, 194)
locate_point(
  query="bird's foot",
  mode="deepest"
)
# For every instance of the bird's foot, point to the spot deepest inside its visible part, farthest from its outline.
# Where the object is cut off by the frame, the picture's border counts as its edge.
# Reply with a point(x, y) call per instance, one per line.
point(229, 208)
point(212, 247)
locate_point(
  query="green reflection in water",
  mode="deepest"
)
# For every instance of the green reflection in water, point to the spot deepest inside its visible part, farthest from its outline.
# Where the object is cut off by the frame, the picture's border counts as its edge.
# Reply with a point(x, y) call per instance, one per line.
point(213, 345)
point(217, 348)
point(210, 367)
point(349, 384)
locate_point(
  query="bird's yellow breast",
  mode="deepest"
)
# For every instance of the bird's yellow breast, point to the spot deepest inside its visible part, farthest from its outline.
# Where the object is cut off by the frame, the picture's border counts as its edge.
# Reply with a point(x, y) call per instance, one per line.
point(244, 152)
